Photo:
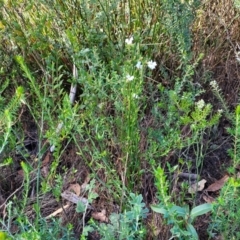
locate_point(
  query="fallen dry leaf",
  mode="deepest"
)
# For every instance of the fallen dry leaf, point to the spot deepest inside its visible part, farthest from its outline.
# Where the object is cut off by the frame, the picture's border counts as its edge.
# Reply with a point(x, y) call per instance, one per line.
point(217, 185)
point(101, 216)
point(46, 159)
point(76, 188)
point(197, 187)
point(208, 198)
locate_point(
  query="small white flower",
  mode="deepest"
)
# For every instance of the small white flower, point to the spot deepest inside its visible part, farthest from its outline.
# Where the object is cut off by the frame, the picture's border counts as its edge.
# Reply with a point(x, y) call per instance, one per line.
point(151, 64)
point(213, 84)
point(139, 65)
point(200, 104)
point(135, 96)
point(129, 41)
point(220, 111)
point(129, 78)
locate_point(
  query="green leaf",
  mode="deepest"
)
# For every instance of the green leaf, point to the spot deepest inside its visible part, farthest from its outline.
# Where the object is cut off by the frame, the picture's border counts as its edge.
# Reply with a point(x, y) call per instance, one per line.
point(238, 110)
point(200, 210)
point(159, 209)
point(25, 167)
point(86, 231)
point(180, 211)
point(81, 207)
point(6, 162)
point(193, 231)
point(92, 196)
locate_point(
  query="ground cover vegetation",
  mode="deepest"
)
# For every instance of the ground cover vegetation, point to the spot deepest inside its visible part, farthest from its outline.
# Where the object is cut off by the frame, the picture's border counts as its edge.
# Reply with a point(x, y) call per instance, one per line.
point(119, 119)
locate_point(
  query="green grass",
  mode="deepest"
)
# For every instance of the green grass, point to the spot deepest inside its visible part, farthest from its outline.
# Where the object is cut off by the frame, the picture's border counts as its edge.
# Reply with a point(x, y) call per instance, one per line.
point(138, 102)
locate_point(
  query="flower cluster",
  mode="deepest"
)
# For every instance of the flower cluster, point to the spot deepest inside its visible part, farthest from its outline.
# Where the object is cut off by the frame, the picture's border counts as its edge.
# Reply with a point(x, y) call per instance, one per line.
point(200, 104)
point(151, 64)
point(214, 86)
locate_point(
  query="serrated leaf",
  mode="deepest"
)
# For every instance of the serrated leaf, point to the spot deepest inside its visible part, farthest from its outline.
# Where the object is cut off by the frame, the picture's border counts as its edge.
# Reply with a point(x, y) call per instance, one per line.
point(81, 207)
point(200, 210)
point(92, 196)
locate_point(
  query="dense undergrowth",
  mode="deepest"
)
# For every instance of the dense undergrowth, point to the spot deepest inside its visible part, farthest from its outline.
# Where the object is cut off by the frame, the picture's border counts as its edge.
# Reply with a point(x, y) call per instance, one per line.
point(118, 99)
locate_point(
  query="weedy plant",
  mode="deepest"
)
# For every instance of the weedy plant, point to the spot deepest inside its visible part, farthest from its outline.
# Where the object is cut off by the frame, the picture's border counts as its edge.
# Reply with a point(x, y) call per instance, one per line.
point(8, 115)
point(127, 225)
point(180, 116)
point(180, 218)
point(82, 207)
point(44, 229)
point(225, 217)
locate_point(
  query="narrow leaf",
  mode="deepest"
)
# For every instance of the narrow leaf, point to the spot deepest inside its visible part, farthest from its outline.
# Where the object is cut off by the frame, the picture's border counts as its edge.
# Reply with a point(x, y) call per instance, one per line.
point(193, 231)
point(200, 210)
point(159, 209)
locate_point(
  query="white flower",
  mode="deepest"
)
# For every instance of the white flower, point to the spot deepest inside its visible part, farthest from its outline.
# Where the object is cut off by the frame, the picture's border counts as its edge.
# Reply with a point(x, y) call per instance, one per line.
point(129, 78)
point(135, 96)
point(129, 41)
point(151, 64)
point(139, 65)
point(213, 84)
point(220, 111)
point(200, 104)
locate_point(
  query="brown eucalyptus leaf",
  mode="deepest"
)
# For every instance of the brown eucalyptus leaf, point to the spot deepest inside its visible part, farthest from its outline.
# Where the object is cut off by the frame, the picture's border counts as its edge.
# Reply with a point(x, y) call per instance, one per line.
point(217, 185)
point(76, 188)
point(101, 216)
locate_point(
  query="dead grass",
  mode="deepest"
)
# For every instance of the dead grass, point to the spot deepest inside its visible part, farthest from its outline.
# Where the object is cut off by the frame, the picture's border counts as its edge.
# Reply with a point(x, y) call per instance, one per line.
point(216, 34)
